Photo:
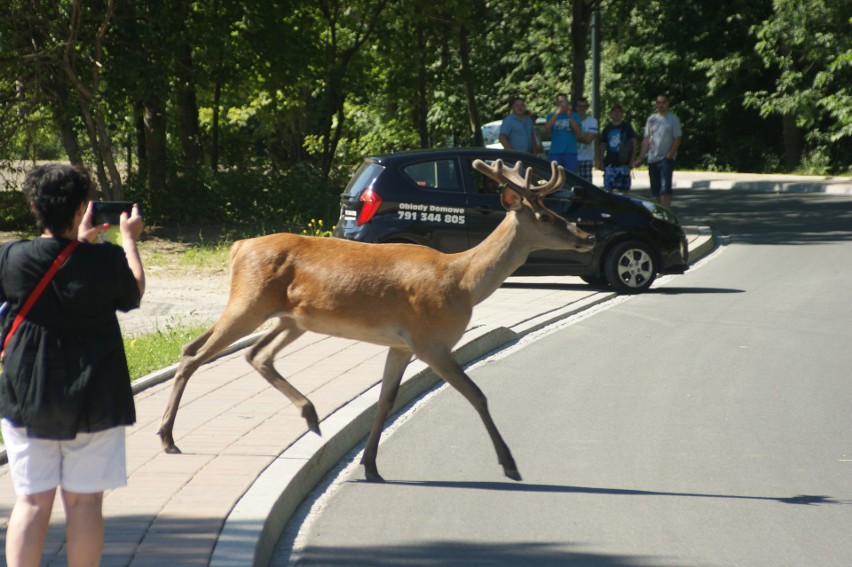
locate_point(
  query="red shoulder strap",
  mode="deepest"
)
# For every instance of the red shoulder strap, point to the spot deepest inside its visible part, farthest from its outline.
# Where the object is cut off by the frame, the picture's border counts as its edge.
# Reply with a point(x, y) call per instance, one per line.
point(28, 304)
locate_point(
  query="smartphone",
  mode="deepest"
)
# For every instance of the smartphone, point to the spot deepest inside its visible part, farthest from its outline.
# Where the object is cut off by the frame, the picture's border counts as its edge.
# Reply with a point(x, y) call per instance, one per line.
point(109, 212)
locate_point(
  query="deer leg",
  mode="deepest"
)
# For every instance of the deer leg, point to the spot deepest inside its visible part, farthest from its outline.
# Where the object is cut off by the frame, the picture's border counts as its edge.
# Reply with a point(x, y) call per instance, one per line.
point(395, 365)
point(224, 332)
point(262, 358)
point(448, 369)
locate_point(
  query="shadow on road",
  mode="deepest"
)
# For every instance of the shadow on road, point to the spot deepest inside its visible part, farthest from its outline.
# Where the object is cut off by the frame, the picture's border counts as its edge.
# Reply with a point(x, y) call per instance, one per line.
point(802, 499)
point(767, 218)
point(692, 290)
point(462, 554)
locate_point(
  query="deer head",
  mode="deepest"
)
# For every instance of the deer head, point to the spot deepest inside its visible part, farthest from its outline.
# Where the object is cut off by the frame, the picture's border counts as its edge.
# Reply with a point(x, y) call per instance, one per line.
point(520, 193)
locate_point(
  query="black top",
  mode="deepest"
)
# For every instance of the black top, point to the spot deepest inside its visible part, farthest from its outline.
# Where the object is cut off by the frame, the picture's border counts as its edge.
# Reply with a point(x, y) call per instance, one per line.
point(65, 370)
point(613, 137)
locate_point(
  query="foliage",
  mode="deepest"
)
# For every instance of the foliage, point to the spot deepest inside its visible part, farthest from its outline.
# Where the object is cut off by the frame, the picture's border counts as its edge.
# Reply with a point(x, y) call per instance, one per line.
point(256, 111)
point(811, 52)
point(317, 228)
point(14, 213)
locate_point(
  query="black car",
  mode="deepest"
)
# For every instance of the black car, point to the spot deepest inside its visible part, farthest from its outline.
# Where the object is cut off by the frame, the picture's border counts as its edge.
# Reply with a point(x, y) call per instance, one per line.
point(437, 199)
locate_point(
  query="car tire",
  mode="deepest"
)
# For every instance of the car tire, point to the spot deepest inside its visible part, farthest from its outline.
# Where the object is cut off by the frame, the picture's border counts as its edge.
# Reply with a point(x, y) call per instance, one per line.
point(630, 267)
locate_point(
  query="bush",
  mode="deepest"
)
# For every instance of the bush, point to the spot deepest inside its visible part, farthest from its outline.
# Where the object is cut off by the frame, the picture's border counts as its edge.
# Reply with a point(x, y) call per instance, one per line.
point(14, 213)
point(264, 198)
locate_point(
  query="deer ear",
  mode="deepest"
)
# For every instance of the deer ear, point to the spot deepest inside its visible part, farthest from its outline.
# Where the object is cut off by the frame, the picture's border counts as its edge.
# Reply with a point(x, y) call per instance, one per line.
point(510, 199)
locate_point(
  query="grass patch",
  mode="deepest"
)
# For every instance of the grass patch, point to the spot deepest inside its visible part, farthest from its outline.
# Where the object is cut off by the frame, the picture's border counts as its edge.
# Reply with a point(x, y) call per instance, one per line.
point(184, 258)
point(148, 352)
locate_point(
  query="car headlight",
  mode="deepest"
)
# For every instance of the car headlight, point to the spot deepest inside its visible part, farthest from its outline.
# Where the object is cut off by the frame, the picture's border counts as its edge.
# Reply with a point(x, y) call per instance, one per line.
point(660, 212)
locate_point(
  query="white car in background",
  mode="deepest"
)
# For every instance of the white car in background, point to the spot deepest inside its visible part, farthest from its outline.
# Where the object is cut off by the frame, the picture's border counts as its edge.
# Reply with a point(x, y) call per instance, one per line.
point(491, 135)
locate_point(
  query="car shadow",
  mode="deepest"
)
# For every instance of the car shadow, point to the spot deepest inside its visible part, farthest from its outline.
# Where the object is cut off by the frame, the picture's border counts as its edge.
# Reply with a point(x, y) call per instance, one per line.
point(553, 285)
point(668, 290)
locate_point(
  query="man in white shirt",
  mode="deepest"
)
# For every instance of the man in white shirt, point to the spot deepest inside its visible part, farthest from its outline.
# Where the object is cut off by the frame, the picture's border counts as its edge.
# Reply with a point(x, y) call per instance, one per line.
point(586, 140)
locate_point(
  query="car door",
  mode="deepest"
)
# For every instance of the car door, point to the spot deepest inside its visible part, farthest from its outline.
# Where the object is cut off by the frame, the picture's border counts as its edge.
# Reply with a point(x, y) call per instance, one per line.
point(436, 207)
point(483, 211)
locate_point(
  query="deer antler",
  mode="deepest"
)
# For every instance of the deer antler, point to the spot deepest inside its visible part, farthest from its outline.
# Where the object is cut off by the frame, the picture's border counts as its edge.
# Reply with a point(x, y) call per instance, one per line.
point(512, 177)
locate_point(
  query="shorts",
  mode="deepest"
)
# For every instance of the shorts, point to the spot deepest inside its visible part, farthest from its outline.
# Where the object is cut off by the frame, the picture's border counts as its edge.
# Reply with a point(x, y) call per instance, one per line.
point(617, 177)
point(661, 173)
point(584, 169)
point(90, 463)
point(567, 161)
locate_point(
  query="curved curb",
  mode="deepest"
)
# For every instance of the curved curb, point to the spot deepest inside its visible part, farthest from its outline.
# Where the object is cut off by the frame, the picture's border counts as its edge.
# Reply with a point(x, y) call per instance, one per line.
point(256, 522)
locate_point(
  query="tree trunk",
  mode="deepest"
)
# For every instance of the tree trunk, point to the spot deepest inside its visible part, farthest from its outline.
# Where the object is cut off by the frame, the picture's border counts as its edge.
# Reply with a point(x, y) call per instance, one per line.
point(186, 111)
point(581, 11)
point(64, 123)
point(155, 144)
point(468, 86)
point(792, 141)
point(420, 103)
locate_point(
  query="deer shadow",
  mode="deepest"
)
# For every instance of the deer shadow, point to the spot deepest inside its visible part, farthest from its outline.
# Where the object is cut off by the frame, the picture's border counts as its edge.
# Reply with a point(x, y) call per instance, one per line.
point(800, 499)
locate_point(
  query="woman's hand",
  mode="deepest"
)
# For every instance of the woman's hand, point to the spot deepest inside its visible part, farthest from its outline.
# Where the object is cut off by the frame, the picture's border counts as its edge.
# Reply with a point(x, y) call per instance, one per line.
point(87, 232)
point(131, 227)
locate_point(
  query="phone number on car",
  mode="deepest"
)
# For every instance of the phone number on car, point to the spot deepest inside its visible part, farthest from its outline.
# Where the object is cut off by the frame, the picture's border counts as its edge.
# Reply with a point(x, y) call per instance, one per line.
point(431, 217)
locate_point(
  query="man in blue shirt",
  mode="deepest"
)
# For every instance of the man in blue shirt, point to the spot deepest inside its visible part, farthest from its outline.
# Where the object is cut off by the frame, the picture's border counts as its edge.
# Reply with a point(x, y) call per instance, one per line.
point(518, 131)
point(564, 126)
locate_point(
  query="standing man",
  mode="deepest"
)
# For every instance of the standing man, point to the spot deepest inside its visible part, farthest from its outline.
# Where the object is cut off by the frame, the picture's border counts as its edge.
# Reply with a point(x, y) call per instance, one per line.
point(618, 145)
point(517, 132)
point(565, 127)
point(586, 140)
point(660, 145)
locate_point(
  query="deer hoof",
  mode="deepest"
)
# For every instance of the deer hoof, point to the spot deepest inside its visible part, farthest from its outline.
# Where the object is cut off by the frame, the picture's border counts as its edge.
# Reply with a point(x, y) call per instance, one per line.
point(373, 476)
point(512, 473)
point(310, 415)
point(168, 442)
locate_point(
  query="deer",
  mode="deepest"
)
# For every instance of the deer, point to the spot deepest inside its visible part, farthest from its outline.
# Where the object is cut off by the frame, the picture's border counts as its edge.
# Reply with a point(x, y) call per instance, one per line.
point(414, 300)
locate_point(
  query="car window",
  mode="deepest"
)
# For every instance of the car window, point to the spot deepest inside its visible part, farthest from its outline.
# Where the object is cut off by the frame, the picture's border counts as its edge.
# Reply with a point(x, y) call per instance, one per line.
point(484, 184)
point(362, 178)
point(442, 175)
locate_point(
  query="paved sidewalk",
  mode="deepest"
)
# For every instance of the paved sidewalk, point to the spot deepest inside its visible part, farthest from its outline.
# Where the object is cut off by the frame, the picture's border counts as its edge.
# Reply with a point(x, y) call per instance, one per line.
point(759, 182)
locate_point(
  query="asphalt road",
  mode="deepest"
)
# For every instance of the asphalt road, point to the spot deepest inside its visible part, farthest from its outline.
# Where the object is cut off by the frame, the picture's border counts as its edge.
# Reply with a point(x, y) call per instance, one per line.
point(705, 423)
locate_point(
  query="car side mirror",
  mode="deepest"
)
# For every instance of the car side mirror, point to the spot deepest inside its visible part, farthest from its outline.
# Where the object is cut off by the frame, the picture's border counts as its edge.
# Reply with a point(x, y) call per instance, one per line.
point(578, 193)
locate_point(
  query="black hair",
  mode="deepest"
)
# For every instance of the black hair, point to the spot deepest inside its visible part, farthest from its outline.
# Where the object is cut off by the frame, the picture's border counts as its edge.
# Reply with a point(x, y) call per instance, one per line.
point(55, 192)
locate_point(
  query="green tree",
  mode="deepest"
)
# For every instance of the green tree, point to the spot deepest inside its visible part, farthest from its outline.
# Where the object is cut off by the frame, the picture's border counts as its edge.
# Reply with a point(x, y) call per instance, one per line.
point(808, 50)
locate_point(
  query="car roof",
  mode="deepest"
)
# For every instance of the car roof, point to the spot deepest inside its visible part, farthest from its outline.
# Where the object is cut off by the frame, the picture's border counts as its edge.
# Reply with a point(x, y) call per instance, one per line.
point(447, 153)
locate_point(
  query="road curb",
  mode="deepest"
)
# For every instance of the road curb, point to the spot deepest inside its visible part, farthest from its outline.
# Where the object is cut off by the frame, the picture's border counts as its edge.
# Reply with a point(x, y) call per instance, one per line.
point(256, 522)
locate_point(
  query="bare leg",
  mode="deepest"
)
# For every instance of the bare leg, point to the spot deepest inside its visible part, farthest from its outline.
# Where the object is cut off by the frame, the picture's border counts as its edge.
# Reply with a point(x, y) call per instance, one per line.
point(27, 529)
point(84, 528)
point(666, 199)
point(262, 358)
point(395, 365)
point(446, 367)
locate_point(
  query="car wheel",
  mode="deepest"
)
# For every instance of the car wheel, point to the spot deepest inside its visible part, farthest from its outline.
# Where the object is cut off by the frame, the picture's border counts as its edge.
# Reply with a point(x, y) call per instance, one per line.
point(630, 267)
point(596, 281)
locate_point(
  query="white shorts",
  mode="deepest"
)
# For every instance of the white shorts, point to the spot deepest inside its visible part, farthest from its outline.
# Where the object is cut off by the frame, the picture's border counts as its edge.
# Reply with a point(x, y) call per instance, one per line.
point(90, 463)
